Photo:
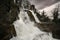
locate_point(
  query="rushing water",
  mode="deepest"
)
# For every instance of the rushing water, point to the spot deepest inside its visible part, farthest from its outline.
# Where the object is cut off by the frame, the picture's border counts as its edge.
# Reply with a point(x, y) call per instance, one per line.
point(26, 30)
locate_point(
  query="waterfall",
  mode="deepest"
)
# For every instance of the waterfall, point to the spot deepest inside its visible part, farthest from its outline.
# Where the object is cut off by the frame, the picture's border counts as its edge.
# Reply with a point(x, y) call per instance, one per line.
point(26, 29)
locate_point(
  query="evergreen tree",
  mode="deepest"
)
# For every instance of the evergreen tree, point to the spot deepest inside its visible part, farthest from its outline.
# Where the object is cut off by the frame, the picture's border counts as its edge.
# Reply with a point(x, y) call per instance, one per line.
point(44, 17)
point(55, 15)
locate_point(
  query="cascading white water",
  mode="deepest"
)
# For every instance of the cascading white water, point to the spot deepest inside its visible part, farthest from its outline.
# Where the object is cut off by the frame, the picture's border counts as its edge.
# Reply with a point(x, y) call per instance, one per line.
point(26, 30)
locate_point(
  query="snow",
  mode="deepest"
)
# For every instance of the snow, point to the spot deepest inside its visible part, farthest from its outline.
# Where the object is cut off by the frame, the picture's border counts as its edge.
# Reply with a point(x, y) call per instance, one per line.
point(49, 10)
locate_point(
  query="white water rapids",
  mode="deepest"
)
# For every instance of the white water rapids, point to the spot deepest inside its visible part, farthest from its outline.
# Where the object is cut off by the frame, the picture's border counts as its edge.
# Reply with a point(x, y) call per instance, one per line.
point(26, 30)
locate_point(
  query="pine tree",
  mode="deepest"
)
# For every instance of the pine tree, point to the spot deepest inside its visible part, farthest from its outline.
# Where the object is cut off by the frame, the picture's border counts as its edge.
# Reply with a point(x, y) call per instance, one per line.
point(44, 17)
point(55, 15)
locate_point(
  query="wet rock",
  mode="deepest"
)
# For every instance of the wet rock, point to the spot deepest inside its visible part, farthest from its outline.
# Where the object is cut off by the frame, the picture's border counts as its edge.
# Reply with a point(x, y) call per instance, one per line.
point(30, 15)
point(56, 31)
point(8, 14)
point(50, 27)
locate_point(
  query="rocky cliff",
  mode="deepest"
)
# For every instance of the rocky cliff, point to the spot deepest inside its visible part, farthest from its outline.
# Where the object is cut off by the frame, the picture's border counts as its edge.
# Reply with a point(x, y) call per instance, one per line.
point(8, 14)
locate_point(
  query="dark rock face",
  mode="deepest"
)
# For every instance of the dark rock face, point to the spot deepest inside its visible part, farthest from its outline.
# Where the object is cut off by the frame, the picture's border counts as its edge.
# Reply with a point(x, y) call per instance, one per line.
point(50, 27)
point(30, 15)
point(8, 14)
point(56, 31)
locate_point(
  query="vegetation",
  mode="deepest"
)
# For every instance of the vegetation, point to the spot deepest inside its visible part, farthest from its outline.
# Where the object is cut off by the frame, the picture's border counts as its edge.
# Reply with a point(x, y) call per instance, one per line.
point(9, 13)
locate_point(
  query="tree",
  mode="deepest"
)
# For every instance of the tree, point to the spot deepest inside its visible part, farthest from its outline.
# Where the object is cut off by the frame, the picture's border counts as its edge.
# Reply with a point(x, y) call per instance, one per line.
point(55, 15)
point(44, 18)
